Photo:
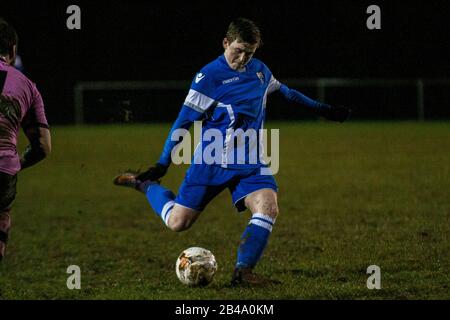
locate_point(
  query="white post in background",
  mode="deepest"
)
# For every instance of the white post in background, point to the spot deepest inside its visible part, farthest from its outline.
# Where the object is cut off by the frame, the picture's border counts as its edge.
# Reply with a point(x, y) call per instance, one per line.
point(321, 90)
point(420, 100)
point(78, 104)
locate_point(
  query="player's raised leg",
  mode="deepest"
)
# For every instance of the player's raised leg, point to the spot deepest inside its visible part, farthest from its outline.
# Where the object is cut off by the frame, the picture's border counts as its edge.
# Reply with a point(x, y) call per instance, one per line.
point(162, 200)
point(176, 217)
point(264, 208)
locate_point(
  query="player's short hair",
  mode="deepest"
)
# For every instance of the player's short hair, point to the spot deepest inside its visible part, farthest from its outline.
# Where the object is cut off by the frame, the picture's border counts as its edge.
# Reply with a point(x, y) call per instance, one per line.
point(244, 30)
point(8, 37)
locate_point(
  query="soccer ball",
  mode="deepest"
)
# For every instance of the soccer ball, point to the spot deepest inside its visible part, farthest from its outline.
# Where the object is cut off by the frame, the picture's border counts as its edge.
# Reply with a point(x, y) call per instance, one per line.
point(196, 267)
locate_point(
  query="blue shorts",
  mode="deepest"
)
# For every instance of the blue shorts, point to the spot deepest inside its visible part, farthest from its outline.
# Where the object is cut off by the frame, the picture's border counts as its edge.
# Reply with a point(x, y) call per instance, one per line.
point(203, 182)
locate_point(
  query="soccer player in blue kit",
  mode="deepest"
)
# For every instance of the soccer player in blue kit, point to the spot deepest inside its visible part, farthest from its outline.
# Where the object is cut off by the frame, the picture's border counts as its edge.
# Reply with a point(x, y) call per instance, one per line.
point(228, 93)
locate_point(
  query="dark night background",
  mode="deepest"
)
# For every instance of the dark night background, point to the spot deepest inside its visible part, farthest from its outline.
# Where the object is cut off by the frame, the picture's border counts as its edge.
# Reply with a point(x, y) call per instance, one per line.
point(166, 40)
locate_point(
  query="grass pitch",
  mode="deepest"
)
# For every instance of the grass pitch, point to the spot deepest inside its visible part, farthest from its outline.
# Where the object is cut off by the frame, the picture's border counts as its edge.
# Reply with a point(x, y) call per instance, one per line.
point(351, 196)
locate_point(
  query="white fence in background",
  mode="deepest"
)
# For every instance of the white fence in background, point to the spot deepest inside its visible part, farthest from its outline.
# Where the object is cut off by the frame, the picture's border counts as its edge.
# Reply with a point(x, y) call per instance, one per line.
point(321, 85)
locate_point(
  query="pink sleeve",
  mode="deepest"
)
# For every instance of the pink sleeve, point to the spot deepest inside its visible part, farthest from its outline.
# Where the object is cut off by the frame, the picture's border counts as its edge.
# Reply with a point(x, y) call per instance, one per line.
point(35, 115)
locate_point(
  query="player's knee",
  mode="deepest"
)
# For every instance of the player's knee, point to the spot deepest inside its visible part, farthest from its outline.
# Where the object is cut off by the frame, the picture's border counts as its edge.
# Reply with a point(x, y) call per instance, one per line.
point(268, 208)
point(264, 202)
point(179, 226)
point(272, 211)
point(182, 218)
point(178, 223)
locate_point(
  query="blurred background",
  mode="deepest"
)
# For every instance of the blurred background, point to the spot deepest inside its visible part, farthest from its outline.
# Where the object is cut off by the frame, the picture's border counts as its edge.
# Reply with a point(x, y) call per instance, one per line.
point(154, 48)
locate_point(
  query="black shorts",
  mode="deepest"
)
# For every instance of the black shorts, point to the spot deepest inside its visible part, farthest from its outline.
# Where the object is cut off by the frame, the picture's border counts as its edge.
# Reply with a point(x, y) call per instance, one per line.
point(7, 191)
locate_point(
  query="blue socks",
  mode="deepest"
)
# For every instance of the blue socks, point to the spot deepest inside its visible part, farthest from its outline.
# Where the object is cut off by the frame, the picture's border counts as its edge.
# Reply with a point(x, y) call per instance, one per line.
point(254, 240)
point(161, 200)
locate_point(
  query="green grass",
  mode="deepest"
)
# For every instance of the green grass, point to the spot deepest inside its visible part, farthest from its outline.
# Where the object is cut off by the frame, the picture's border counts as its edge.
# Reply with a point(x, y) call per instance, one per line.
point(350, 196)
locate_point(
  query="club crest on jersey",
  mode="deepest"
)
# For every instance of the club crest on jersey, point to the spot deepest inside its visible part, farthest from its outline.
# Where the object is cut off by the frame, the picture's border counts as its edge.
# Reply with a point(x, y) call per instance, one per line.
point(261, 77)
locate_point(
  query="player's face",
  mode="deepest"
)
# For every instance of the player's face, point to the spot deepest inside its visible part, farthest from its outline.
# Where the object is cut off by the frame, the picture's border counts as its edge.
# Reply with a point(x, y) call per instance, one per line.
point(238, 54)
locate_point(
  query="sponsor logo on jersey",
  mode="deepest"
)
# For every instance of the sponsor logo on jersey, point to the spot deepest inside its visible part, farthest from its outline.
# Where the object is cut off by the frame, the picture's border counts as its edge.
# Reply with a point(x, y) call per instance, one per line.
point(230, 80)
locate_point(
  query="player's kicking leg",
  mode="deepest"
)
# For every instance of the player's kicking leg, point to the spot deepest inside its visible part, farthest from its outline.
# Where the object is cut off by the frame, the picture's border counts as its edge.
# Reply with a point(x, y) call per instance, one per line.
point(176, 217)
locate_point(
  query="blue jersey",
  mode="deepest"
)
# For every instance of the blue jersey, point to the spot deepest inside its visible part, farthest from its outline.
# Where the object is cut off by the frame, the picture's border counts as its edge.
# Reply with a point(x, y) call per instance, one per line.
point(235, 104)
point(232, 106)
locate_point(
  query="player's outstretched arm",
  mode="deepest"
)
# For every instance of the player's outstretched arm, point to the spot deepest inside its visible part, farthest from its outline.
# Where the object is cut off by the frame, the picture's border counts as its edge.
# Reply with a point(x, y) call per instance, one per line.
point(334, 113)
point(186, 117)
point(39, 147)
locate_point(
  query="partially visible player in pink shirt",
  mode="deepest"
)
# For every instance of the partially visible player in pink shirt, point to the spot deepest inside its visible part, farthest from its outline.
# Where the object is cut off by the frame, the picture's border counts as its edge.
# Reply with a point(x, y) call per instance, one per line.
point(20, 106)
